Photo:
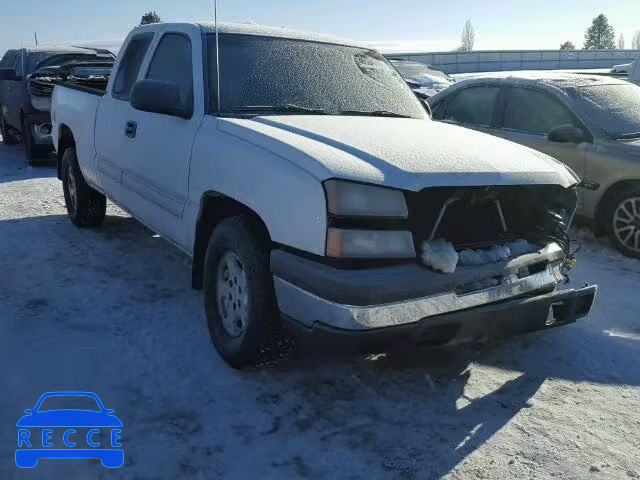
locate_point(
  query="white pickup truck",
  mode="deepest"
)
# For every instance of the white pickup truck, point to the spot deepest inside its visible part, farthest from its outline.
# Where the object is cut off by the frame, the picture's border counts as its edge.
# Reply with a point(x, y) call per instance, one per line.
point(312, 190)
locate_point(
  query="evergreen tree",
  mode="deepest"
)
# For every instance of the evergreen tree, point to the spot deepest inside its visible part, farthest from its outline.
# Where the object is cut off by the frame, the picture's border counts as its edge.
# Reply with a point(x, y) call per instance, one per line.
point(567, 46)
point(600, 35)
point(150, 17)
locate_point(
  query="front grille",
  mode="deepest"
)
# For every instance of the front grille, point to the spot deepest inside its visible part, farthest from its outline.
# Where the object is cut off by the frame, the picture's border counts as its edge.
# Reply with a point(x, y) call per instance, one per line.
point(41, 89)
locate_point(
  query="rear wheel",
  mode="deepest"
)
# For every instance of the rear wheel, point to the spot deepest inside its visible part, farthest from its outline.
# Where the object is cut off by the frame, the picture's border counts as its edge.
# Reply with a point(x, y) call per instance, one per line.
point(86, 207)
point(7, 136)
point(623, 220)
point(36, 154)
point(240, 304)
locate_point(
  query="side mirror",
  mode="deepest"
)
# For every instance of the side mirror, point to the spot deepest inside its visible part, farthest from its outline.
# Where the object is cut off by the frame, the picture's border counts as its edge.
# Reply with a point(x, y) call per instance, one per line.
point(566, 134)
point(156, 96)
point(8, 74)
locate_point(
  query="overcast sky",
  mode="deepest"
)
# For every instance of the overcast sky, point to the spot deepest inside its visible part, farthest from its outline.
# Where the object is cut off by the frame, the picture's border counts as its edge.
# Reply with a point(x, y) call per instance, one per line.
point(390, 25)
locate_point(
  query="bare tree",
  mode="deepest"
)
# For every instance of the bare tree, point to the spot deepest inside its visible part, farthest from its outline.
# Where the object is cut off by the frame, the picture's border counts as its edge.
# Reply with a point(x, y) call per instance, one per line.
point(621, 41)
point(468, 37)
point(635, 44)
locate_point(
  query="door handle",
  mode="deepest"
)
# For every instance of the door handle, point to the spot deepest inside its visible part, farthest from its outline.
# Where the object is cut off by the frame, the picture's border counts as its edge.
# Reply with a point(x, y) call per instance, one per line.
point(130, 129)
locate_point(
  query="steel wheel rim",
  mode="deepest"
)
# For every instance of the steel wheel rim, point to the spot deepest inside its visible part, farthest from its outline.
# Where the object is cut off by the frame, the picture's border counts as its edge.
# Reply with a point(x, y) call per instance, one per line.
point(626, 223)
point(231, 294)
point(71, 187)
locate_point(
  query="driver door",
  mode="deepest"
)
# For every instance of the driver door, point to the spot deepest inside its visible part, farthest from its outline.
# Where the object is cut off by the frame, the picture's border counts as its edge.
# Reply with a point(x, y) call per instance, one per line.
point(530, 114)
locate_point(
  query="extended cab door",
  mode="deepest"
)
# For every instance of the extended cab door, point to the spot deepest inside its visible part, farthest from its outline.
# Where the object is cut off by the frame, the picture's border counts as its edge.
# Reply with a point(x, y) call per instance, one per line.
point(114, 149)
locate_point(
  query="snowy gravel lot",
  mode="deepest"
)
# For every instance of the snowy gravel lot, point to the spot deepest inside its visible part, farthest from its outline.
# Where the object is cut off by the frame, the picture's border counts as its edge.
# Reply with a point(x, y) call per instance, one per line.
point(111, 311)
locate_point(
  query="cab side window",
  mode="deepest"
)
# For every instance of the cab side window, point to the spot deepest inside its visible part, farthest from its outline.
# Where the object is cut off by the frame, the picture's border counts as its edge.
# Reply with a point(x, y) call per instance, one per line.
point(7, 59)
point(130, 65)
point(172, 63)
point(532, 111)
point(473, 106)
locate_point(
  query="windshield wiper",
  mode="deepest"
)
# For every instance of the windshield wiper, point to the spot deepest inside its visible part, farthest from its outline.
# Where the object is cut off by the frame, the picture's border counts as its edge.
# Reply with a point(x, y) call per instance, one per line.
point(289, 107)
point(374, 113)
point(627, 136)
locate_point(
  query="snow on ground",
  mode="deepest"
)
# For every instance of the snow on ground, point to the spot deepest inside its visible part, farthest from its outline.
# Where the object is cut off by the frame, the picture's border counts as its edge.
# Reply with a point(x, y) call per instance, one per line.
point(111, 311)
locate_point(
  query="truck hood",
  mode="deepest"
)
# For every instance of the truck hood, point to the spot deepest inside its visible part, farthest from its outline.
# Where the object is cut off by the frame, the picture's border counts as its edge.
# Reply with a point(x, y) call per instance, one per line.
point(409, 154)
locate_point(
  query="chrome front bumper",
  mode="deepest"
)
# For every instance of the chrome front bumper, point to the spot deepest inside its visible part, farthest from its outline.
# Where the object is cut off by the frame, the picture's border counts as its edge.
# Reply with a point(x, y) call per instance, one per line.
point(309, 309)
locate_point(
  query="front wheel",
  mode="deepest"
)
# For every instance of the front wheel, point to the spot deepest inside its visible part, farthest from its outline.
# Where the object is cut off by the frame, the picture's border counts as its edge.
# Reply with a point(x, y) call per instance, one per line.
point(86, 207)
point(238, 291)
point(623, 219)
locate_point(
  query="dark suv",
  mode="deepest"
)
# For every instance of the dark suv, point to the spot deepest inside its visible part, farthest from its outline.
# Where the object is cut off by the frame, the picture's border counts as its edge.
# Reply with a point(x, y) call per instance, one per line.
point(26, 81)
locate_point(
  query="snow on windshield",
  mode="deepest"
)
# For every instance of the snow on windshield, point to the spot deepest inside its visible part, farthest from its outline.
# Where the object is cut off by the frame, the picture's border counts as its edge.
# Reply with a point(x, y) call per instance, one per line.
point(615, 108)
point(270, 71)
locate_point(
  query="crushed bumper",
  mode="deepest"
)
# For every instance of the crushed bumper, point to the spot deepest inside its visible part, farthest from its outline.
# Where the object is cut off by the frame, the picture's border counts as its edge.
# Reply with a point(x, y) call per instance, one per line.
point(513, 297)
point(512, 317)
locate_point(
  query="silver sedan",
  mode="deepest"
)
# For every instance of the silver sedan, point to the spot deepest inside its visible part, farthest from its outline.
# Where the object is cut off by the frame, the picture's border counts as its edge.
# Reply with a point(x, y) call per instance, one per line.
point(590, 123)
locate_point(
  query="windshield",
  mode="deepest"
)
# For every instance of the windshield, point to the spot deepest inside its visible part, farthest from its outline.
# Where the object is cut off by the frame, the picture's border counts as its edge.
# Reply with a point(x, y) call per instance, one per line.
point(69, 402)
point(279, 75)
point(615, 108)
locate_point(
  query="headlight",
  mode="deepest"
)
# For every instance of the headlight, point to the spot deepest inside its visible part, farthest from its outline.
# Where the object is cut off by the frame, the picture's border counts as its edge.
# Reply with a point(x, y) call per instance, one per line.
point(350, 243)
point(356, 199)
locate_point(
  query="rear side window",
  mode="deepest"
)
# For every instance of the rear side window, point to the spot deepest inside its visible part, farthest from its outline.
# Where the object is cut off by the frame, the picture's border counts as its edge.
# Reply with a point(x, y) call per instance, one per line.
point(130, 65)
point(172, 63)
point(534, 112)
point(473, 106)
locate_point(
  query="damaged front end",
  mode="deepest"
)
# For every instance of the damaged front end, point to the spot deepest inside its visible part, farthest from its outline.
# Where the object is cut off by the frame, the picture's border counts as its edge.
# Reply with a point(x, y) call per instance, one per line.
point(507, 249)
point(459, 227)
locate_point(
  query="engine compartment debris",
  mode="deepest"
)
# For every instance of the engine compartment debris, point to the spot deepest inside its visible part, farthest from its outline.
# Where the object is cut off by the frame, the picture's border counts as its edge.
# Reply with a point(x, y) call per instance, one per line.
point(475, 226)
point(440, 256)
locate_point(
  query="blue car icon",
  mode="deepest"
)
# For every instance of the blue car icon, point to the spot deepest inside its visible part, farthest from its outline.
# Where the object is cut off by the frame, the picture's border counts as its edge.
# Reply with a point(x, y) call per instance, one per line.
point(69, 425)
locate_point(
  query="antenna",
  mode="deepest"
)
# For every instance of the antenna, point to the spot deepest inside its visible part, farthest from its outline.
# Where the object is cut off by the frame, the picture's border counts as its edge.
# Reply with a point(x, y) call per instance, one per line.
point(35, 34)
point(215, 20)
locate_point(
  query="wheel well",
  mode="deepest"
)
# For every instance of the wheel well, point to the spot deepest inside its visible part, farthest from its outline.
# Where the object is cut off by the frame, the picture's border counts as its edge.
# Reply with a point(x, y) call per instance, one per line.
point(65, 140)
point(612, 192)
point(215, 207)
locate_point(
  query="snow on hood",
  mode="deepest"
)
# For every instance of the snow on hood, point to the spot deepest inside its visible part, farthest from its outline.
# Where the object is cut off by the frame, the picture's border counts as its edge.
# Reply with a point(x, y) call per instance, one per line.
point(409, 154)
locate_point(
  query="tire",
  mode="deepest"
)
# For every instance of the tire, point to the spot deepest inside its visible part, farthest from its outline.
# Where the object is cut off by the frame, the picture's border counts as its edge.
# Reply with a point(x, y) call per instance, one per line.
point(36, 154)
point(623, 222)
point(86, 207)
point(7, 137)
point(245, 326)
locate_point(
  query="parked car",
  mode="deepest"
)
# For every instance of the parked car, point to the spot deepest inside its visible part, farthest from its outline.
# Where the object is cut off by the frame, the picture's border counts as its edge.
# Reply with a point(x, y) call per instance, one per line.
point(622, 68)
point(26, 82)
point(316, 198)
point(590, 123)
point(424, 80)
